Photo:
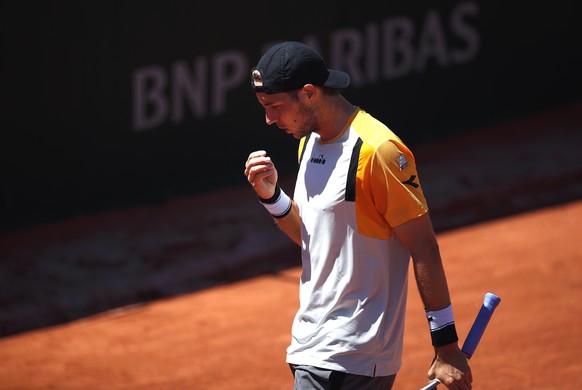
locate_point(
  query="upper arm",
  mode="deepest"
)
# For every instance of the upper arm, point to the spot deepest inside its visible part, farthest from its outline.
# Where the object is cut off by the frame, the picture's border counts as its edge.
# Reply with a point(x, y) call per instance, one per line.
point(417, 235)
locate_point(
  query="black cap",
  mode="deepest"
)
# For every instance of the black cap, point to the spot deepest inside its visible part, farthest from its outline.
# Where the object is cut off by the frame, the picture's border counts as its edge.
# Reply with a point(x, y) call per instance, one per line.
point(290, 65)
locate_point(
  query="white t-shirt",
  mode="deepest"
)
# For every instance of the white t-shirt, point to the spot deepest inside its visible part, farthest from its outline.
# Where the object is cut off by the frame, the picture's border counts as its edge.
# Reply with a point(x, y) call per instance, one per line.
point(351, 191)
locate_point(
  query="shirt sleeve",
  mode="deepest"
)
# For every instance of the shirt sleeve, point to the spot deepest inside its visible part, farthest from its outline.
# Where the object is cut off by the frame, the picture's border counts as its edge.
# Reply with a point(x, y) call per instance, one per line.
point(396, 188)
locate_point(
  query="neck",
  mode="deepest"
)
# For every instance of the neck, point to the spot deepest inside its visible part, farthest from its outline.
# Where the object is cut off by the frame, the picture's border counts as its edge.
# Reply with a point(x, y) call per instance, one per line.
point(336, 115)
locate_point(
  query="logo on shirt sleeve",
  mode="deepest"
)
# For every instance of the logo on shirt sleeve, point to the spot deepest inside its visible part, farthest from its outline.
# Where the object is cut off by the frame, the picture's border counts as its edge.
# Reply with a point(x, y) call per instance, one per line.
point(402, 163)
point(411, 182)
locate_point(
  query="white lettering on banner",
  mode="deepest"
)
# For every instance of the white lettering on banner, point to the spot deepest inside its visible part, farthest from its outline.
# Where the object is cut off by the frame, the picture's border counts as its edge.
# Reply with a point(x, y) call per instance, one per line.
point(463, 30)
point(350, 40)
point(150, 103)
point(398, 53)
point(148, 86)
point(388, 50)
point(432, 43)
point(189, 86)
point(230, 70)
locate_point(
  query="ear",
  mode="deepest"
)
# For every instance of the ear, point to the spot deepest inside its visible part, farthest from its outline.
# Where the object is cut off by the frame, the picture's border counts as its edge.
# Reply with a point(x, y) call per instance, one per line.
point(310, 92)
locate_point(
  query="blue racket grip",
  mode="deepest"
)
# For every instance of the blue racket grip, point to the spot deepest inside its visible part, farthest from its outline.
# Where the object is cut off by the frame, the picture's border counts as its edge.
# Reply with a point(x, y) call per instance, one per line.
point(490, 302)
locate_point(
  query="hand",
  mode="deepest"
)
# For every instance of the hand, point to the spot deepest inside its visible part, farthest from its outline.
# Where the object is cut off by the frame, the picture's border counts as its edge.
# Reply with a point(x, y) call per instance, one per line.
point(451, 367)
point(261, 174)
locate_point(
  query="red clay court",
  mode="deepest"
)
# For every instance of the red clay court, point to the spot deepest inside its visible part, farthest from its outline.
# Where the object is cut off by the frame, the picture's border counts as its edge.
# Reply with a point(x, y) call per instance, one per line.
point(223, 320)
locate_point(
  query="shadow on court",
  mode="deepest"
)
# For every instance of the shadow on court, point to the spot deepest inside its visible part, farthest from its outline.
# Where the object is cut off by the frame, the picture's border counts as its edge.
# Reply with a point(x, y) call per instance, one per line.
point(68, 270)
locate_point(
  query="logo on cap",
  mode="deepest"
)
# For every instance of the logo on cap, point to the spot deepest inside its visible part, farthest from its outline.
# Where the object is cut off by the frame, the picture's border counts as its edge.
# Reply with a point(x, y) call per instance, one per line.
point(257, 78)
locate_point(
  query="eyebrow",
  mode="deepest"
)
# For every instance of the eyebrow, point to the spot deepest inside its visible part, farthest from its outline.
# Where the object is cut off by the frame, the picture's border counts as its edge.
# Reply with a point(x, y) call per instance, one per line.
point(267, 103)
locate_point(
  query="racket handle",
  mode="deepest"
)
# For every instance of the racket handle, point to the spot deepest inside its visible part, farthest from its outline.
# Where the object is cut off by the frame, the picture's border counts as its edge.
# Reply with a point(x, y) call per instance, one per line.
point(431, 385)
point(490, 302)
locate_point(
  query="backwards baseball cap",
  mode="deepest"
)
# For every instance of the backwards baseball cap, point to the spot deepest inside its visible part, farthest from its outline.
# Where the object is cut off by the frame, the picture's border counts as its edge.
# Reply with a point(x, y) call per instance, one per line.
point(290, 65)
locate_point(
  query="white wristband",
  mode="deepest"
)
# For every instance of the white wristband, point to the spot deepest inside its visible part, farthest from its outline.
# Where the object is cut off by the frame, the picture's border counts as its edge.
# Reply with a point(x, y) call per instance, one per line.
point(279, 205)
point(438, 319)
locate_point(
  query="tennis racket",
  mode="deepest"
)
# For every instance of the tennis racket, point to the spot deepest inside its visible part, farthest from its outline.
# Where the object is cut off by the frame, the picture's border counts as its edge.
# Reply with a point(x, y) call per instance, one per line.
point(490, 302)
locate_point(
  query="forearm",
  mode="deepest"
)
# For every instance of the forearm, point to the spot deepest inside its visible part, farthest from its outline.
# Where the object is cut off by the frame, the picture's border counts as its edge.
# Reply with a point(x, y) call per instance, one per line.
point(430, 276)
point(290, 224)
point(433, 289)
point(418, 236)
point(285, 213)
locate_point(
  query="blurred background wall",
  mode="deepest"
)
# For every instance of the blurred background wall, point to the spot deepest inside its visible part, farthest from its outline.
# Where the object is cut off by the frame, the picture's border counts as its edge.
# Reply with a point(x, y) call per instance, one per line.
point(113, 104)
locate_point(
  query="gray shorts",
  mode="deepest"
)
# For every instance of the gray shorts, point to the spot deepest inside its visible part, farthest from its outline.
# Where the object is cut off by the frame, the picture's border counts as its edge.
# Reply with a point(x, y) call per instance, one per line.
point(315, 378)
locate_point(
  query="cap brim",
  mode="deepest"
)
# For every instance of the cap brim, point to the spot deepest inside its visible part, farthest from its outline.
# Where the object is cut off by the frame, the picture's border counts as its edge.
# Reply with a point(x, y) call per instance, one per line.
point(337, 79)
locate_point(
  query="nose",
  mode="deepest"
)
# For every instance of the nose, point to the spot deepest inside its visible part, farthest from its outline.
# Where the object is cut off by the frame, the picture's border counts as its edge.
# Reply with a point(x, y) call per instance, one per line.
point(270, 118)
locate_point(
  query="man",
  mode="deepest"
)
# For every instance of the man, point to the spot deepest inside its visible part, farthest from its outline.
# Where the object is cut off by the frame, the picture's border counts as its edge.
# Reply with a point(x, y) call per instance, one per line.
point(359, 214)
